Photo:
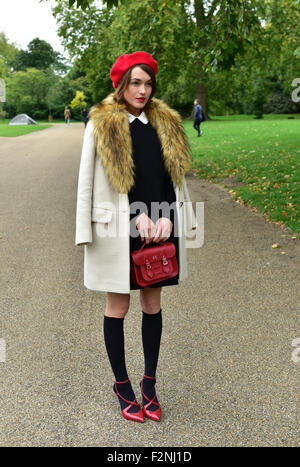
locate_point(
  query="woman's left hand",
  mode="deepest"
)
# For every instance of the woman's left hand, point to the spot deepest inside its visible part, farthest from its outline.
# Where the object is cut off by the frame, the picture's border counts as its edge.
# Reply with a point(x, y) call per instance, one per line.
point(163, 229)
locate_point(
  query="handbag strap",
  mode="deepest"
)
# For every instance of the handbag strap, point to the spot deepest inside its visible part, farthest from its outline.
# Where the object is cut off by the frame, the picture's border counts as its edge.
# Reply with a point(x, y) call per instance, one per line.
point(144, 243)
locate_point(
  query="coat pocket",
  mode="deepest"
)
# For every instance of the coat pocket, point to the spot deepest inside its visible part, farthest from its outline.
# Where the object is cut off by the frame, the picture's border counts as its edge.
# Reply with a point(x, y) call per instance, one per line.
point(101, 215)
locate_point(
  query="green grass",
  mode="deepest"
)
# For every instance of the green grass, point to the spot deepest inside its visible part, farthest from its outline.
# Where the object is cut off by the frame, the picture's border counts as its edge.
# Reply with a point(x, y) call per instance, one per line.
point(259, 158)
point(251, 117)
point(18, 130)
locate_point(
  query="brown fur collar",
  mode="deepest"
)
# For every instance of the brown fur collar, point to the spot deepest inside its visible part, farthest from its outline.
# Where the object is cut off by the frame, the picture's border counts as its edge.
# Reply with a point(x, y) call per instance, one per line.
point(114, 146)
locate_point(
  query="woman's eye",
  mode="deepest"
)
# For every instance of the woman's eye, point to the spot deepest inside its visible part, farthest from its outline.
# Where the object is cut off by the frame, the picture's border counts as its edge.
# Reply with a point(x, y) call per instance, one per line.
point(136, 83)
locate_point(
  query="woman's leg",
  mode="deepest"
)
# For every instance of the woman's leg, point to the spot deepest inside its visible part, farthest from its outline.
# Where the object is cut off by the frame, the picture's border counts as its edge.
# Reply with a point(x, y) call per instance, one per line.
point(197, 126)
point(151, 327)
point(117, 306)
point(150, 299)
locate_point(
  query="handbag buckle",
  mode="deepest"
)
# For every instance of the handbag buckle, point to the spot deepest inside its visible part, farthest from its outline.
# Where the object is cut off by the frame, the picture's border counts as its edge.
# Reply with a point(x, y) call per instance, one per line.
point(148, 265)
point(164, 260)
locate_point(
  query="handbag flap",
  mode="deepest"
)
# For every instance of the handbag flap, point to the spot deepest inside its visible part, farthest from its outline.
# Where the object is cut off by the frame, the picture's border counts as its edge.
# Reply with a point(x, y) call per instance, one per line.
point(154, 253)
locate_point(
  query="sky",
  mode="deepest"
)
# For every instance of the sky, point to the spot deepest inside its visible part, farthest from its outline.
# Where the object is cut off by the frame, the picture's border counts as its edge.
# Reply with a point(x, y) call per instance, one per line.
point(24, 20)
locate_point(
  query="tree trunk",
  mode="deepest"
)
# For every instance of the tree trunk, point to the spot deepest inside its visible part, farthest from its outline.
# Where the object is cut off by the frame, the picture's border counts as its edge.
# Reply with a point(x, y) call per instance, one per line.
point(201, 94)
point(200, 88)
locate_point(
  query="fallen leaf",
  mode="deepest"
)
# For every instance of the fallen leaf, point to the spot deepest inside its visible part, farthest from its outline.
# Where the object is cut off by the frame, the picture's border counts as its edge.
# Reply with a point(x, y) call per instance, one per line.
point(275, 245)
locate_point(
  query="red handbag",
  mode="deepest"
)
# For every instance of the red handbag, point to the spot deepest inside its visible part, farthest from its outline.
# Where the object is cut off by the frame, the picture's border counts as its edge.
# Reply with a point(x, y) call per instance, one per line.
point(153, 264)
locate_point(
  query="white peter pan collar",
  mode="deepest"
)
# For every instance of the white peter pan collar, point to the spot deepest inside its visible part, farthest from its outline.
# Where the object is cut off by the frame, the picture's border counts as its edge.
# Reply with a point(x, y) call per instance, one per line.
point(142, 117)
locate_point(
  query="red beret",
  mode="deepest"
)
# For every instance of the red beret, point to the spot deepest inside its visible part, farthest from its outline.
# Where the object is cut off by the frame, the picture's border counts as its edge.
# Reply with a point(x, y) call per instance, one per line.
point(125, 61)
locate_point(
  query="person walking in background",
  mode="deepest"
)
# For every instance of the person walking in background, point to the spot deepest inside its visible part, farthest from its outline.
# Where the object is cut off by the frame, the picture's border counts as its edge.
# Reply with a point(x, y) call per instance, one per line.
point(67, 115)
point(85, 116)
point(135, 154)
point(198, 116)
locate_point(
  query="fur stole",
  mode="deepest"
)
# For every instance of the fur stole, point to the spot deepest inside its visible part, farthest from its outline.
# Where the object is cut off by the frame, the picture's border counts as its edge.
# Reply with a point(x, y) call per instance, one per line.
point(114, 145)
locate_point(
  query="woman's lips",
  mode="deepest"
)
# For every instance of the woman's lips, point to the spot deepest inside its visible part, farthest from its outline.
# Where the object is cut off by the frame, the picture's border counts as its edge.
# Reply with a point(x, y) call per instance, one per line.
point(141, 99)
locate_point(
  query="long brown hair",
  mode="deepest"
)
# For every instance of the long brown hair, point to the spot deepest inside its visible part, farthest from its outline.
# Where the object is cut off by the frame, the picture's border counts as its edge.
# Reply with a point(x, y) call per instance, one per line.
point(125, 80)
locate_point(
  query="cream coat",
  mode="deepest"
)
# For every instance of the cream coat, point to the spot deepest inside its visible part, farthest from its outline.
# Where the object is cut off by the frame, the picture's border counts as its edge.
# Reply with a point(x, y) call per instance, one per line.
point(102, 224)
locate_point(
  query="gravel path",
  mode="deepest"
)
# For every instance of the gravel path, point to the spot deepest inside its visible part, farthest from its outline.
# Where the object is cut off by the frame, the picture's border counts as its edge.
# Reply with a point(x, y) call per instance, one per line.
point(226, 376)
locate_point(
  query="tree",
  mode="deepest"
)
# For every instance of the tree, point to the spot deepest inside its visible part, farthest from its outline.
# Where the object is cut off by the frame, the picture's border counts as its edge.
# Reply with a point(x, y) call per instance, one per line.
point(26, 93)
point(78, 104)
point(39, 55)
point(97, 37)
point(200, 35)
point(62, 90)
point(203, 47)
point(261, 78)
point(8, 52)
point(79, 100)
point(84, 4)
point(282, 39)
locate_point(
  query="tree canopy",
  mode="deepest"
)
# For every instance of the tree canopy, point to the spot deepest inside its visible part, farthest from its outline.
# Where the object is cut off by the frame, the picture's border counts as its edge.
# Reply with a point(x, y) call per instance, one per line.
point(235, 55)
point(200, 45)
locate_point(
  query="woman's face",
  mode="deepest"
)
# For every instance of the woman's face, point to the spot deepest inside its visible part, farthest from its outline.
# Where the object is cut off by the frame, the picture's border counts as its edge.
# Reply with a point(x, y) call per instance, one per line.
point(138, 91)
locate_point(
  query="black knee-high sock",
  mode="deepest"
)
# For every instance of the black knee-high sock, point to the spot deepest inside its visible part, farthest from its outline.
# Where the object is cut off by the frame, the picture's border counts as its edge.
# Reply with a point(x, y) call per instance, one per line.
point(114, 342)
point(151, 335)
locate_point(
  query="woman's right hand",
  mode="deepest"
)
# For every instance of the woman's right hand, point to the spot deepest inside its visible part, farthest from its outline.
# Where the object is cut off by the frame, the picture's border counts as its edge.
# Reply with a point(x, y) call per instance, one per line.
point(146, 228)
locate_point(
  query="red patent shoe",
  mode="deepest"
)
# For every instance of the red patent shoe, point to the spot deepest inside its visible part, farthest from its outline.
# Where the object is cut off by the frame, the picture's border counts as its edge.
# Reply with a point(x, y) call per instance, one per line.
point(153, 414)
point(136, 416)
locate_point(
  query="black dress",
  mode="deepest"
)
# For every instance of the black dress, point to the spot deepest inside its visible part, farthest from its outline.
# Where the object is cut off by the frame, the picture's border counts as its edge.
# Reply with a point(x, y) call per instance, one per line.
point(152, 184)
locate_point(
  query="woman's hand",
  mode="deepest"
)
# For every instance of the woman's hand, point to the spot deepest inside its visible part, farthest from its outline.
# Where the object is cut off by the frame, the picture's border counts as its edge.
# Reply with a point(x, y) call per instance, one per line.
point(163, 229)
point(146, 228)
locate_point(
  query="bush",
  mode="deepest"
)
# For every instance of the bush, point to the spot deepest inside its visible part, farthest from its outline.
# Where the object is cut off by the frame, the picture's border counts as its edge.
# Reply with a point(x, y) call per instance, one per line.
point(76, 113)
point(3, 113)
point(279, 103)
point(39, 114)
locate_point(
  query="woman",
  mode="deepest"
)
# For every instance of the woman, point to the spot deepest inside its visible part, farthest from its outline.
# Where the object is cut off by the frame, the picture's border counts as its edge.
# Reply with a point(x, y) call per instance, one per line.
point(134, 152)
point(198, 116)
point(67, 115)
point(85, 116)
